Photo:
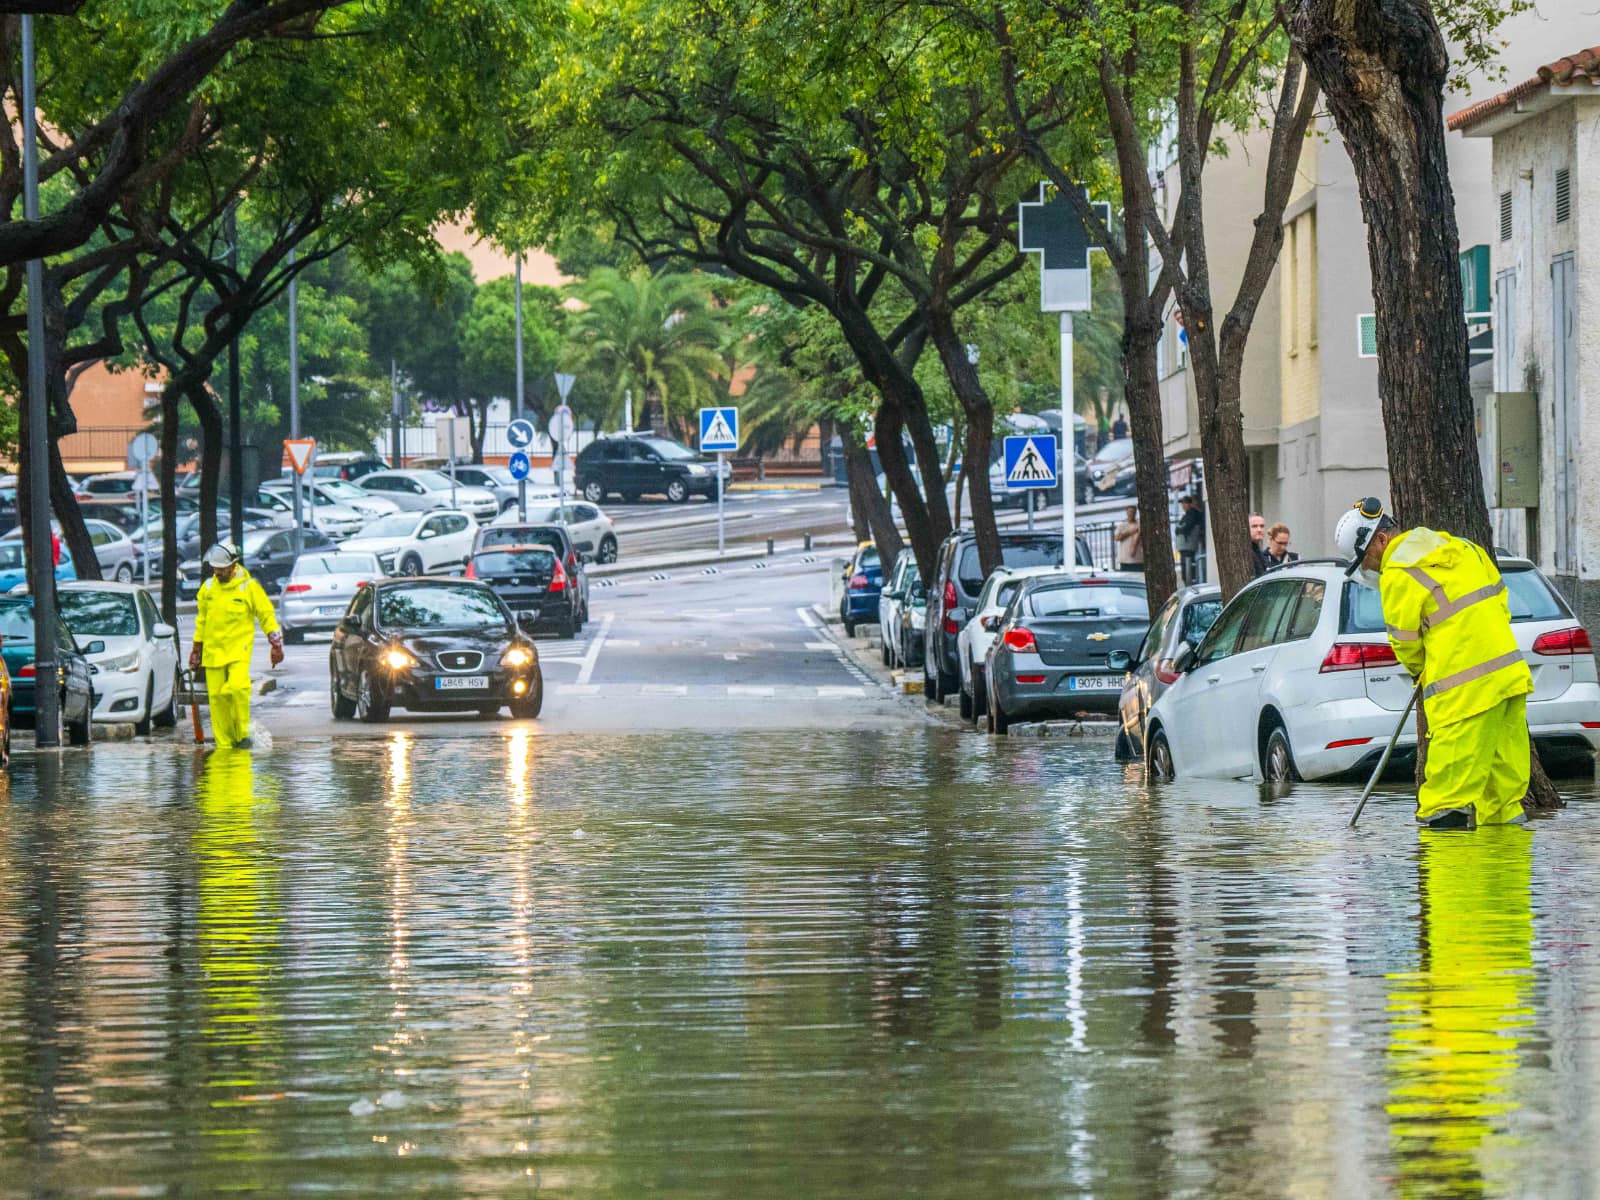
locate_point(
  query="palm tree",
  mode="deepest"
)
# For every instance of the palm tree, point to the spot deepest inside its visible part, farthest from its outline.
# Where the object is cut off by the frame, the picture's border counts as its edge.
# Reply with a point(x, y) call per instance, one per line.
point(655, 335)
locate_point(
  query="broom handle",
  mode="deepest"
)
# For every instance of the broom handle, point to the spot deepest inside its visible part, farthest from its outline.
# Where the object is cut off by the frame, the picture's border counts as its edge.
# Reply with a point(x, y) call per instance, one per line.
point(1384, 761)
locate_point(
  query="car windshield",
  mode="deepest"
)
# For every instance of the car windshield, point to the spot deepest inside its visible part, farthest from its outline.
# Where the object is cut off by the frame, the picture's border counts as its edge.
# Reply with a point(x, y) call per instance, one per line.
point(519, 535)
point(1529, 593)
point(1114, 451)
point(1042, 551)
point(10, 554)
point(340, 490)
point(669, 450)
point(433, 481)
point(532, 561)
point(99, 614)
point(16, 620)
point(497, 475)
point(552, 515)
point(1089, 600)
point(398, 525)
point(868, 561)
point(336, 564)
point(439, 606)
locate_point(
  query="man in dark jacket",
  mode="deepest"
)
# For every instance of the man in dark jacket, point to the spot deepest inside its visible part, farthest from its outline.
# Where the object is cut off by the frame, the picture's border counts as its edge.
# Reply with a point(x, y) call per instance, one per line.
point(1191, 536)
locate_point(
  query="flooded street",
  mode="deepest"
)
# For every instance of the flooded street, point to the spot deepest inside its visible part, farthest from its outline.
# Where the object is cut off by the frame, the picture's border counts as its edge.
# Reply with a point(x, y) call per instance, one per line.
point(776, 965)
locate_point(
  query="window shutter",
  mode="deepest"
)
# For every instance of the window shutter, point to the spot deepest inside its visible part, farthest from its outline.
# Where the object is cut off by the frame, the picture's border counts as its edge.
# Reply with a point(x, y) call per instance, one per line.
point(1505, 216)
point(1563, 195)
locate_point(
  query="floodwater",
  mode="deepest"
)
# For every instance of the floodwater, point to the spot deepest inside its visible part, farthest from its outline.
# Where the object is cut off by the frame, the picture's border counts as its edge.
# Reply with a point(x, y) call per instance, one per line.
point(784, 965)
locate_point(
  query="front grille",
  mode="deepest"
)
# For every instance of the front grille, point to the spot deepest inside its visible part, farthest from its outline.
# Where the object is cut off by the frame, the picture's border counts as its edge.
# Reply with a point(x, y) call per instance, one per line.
point(460, 660)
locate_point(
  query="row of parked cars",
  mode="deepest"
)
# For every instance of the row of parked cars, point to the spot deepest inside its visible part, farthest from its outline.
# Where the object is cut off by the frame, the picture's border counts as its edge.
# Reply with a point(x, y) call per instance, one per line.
point(1293, 679)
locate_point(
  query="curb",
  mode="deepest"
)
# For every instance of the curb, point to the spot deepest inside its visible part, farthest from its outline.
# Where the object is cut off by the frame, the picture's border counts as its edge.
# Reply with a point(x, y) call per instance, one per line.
point(765, 486)
point(669, 562)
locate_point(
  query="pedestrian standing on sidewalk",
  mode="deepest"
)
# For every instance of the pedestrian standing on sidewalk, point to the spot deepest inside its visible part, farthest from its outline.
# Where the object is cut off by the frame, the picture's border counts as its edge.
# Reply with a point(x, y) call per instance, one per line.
point(1119, 427)
point(231, 605)
point(1191, 535)
point(1130, 543)
point(1258, 542)
point(1278, 552)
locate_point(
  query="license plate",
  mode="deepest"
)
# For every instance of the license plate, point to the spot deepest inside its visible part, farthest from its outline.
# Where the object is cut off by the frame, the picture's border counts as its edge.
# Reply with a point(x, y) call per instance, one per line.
point(330, 610)
point(461, 683)
point(1094, 683)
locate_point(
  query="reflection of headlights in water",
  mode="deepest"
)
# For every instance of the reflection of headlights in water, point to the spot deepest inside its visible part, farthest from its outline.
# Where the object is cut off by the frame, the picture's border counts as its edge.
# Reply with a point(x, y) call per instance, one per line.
point(399, 763)
point(519, 766)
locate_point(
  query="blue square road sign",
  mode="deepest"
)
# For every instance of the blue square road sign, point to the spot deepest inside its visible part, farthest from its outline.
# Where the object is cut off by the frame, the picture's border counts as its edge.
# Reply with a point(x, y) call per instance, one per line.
point(719, 429)
point(1030, 461)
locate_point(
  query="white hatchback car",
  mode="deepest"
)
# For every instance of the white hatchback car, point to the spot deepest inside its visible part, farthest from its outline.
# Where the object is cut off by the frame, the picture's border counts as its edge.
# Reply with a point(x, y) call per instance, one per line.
point(592, 532)
point(978, 634)
point(136, 666)
point(1297, 680)
point(417, 543)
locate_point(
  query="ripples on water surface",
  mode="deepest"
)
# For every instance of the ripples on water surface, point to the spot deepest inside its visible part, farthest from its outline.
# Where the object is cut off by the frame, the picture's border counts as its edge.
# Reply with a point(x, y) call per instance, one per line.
point(778, 965)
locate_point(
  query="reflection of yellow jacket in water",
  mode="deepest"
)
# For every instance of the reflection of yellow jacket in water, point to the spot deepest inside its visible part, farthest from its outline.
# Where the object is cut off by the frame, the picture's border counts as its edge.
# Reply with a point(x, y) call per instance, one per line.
point(1454, 1022)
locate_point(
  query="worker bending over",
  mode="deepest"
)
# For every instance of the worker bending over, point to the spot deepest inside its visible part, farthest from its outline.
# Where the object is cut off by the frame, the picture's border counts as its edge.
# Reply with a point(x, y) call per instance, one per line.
point(1449, 622)
point(231, 605)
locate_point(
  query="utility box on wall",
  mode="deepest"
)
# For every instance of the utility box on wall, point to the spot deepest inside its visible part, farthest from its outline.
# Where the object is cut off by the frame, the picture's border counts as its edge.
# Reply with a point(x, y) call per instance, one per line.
point(1514, 426)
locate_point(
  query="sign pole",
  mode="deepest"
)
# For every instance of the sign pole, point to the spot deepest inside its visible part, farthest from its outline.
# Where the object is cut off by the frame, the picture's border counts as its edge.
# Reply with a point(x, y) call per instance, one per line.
point(522, 484)
point(294, 402)
point(721, 455)
point(1066, 466)
point(144, 524)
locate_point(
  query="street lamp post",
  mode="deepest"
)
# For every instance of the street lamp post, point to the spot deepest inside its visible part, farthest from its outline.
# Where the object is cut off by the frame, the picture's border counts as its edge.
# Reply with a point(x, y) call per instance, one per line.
point(294, 399)
point(47, 704)
point(235, 424)
point(522, 484)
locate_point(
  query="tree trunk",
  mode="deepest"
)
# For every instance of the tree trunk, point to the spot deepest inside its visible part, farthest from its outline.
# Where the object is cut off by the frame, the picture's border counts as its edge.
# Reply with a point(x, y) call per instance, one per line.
point(169, 505)
point(979, 413)
point(1141, 332)
point(1221, 448)
point(868, 508)
point(212, 436)
point(1382, 68)
point(921, 532)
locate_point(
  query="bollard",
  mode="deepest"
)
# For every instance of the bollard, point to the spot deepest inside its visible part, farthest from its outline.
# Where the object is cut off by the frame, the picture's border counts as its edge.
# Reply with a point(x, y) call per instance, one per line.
point(771, 547)
point(808, 543)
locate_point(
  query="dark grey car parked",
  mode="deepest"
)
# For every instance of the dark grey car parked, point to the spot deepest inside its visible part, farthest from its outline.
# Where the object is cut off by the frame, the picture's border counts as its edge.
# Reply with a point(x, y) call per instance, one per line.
point(1050, 658)
point(1184, 618)
point(957, 579)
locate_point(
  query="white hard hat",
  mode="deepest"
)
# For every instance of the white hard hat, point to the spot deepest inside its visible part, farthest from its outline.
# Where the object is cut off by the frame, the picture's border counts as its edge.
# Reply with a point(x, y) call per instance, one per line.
point(223, 554)
point(1355, 529)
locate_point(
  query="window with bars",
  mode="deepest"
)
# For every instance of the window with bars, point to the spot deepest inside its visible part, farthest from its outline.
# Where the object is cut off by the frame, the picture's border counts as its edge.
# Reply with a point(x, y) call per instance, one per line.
point(1505, 216)
point(1563, 195)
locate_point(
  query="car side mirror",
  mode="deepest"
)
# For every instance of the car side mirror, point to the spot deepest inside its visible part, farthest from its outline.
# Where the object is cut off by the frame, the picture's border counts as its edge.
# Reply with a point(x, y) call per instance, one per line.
point(586, 559)
point(163, 631)
point(1183, 660)
point(893, 595)
point(95, 647)
point(350, 625)
point(527, 621)
point(958, 615)
point(1119, 660)
point(426, 534)
point(990, 623)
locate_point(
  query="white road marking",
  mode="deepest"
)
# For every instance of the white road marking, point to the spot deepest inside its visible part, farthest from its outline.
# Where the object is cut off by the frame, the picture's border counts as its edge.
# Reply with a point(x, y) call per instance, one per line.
point(737, 690)
point(749, 611)
point(593, 656)
point(828, 646)
point(808, 618)
point(732, 657)
point(824, 692)
point(663, 689)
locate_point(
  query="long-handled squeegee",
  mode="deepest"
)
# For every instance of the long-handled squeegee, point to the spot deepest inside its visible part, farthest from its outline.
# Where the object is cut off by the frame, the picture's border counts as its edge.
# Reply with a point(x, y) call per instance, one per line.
point(1384, 761)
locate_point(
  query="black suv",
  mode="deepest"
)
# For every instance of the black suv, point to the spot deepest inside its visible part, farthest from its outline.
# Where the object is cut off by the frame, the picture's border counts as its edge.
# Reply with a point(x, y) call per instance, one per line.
point(957, 580)
point(634, 465)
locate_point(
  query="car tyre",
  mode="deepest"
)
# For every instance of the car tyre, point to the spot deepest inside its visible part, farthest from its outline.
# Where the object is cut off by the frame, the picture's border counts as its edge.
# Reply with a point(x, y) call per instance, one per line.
point(411, 565)
point(167, 718)
point(608, 549)
point(568, 629)
point(368, 708)
point(124, 572)
point(678, 491)
point(1277, 763)
point(968, 713)
point(980, 697)
point(528, 708)
point(142, 726)
point(80, 733)
point(1124, 747)
point(1159, 761)
point(343, 707)
point(885, 655)
point(999, 723)
point(593, 492)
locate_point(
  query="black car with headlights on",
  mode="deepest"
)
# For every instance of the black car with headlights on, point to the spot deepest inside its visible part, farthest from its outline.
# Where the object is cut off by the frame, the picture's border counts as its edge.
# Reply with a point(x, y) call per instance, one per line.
point(431, 645)
point(532, 583)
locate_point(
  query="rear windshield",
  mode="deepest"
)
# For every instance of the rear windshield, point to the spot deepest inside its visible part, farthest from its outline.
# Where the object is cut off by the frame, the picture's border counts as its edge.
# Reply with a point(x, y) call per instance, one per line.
point(1034, 552)
point(336, 564)
point(432, 606)
point(1089, 600)
point(99, 614)
point(521, 535)
point(16, 620)
point(537, 561)
point(1198, 618)
point(868, 560)
point(1529, 593)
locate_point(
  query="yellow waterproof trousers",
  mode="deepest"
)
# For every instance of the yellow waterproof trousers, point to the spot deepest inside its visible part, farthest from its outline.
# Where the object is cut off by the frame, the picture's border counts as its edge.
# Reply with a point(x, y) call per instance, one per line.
point(1479, 764)
point(228, 688)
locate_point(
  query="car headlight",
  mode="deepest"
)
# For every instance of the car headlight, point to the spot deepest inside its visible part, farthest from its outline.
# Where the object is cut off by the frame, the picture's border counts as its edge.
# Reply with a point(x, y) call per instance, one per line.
point(397, 659)
point(696, 469)
point(1097, 473)
point(517, 656)
point(122, 662)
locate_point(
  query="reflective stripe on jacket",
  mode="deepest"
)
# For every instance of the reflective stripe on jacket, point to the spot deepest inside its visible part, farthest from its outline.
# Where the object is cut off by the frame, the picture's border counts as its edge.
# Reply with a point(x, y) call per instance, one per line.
point(225, 625)
point(1450, 624)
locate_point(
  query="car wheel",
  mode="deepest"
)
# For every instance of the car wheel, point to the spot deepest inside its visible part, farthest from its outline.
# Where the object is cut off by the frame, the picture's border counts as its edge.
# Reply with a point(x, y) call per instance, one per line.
point(142, 726)
point(527, 708)
point(677, 491)
point(883, 653)
point(608, 549)
point(930, 684)
point(999, 723)
point(1159, 768)
point(567, 629)
point(343, 707)
point(79, 733)
point(967, 711)
point(411, 565)
point(1124, 748)
point(593, 492)
point(370, 708)
point(1277, 764)
point(167, 718)
point(124, 572)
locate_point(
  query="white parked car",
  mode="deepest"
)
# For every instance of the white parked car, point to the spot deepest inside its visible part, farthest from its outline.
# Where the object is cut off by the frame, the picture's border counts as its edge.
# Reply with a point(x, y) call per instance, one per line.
point(418, 491)
point(978, 634)
point(423, 543)
point(335, 520)
point(891, 599)
point(1296, 680)
point(320, 588)
point(591, 531)
point(336, 491)
point(135, 654)
point(495, 479)
point(116, 553)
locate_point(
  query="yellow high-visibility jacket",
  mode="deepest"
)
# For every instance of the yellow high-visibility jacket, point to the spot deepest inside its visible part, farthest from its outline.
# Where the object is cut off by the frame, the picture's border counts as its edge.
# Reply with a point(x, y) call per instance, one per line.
point(228, 615)
point(1450, 624)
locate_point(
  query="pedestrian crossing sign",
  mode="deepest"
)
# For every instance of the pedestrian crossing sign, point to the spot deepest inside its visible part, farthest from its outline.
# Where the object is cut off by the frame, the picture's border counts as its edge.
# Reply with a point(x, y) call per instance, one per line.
point(719, 429)
point(1030, 461)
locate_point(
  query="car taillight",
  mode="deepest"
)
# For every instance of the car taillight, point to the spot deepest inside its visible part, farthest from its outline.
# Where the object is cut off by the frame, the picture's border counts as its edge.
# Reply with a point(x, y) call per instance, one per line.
point(1165, 673)
point(1563, 641)
point(294, 589)
point(472, 569)
point(1352, 656)
point(558, 581)
point(572, 562)
point(1030, 678)
point(1021, 639)
point(951, 600)
point(1343, 742)
point(858, 582)
point(27, 672)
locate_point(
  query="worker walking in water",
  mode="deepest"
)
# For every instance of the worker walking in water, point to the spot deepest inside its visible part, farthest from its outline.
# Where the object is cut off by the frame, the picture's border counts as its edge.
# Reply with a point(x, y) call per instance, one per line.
point(231, 605)
point(1449, 622)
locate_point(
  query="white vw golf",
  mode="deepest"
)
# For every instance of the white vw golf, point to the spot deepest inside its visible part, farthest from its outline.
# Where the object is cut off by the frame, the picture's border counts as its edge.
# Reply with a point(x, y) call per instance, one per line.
point(133, 655)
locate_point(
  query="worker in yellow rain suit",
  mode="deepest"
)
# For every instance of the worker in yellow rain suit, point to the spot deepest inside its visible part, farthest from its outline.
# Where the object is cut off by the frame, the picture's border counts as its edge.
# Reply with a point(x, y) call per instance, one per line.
point(231, 605)
point(1449, 622)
